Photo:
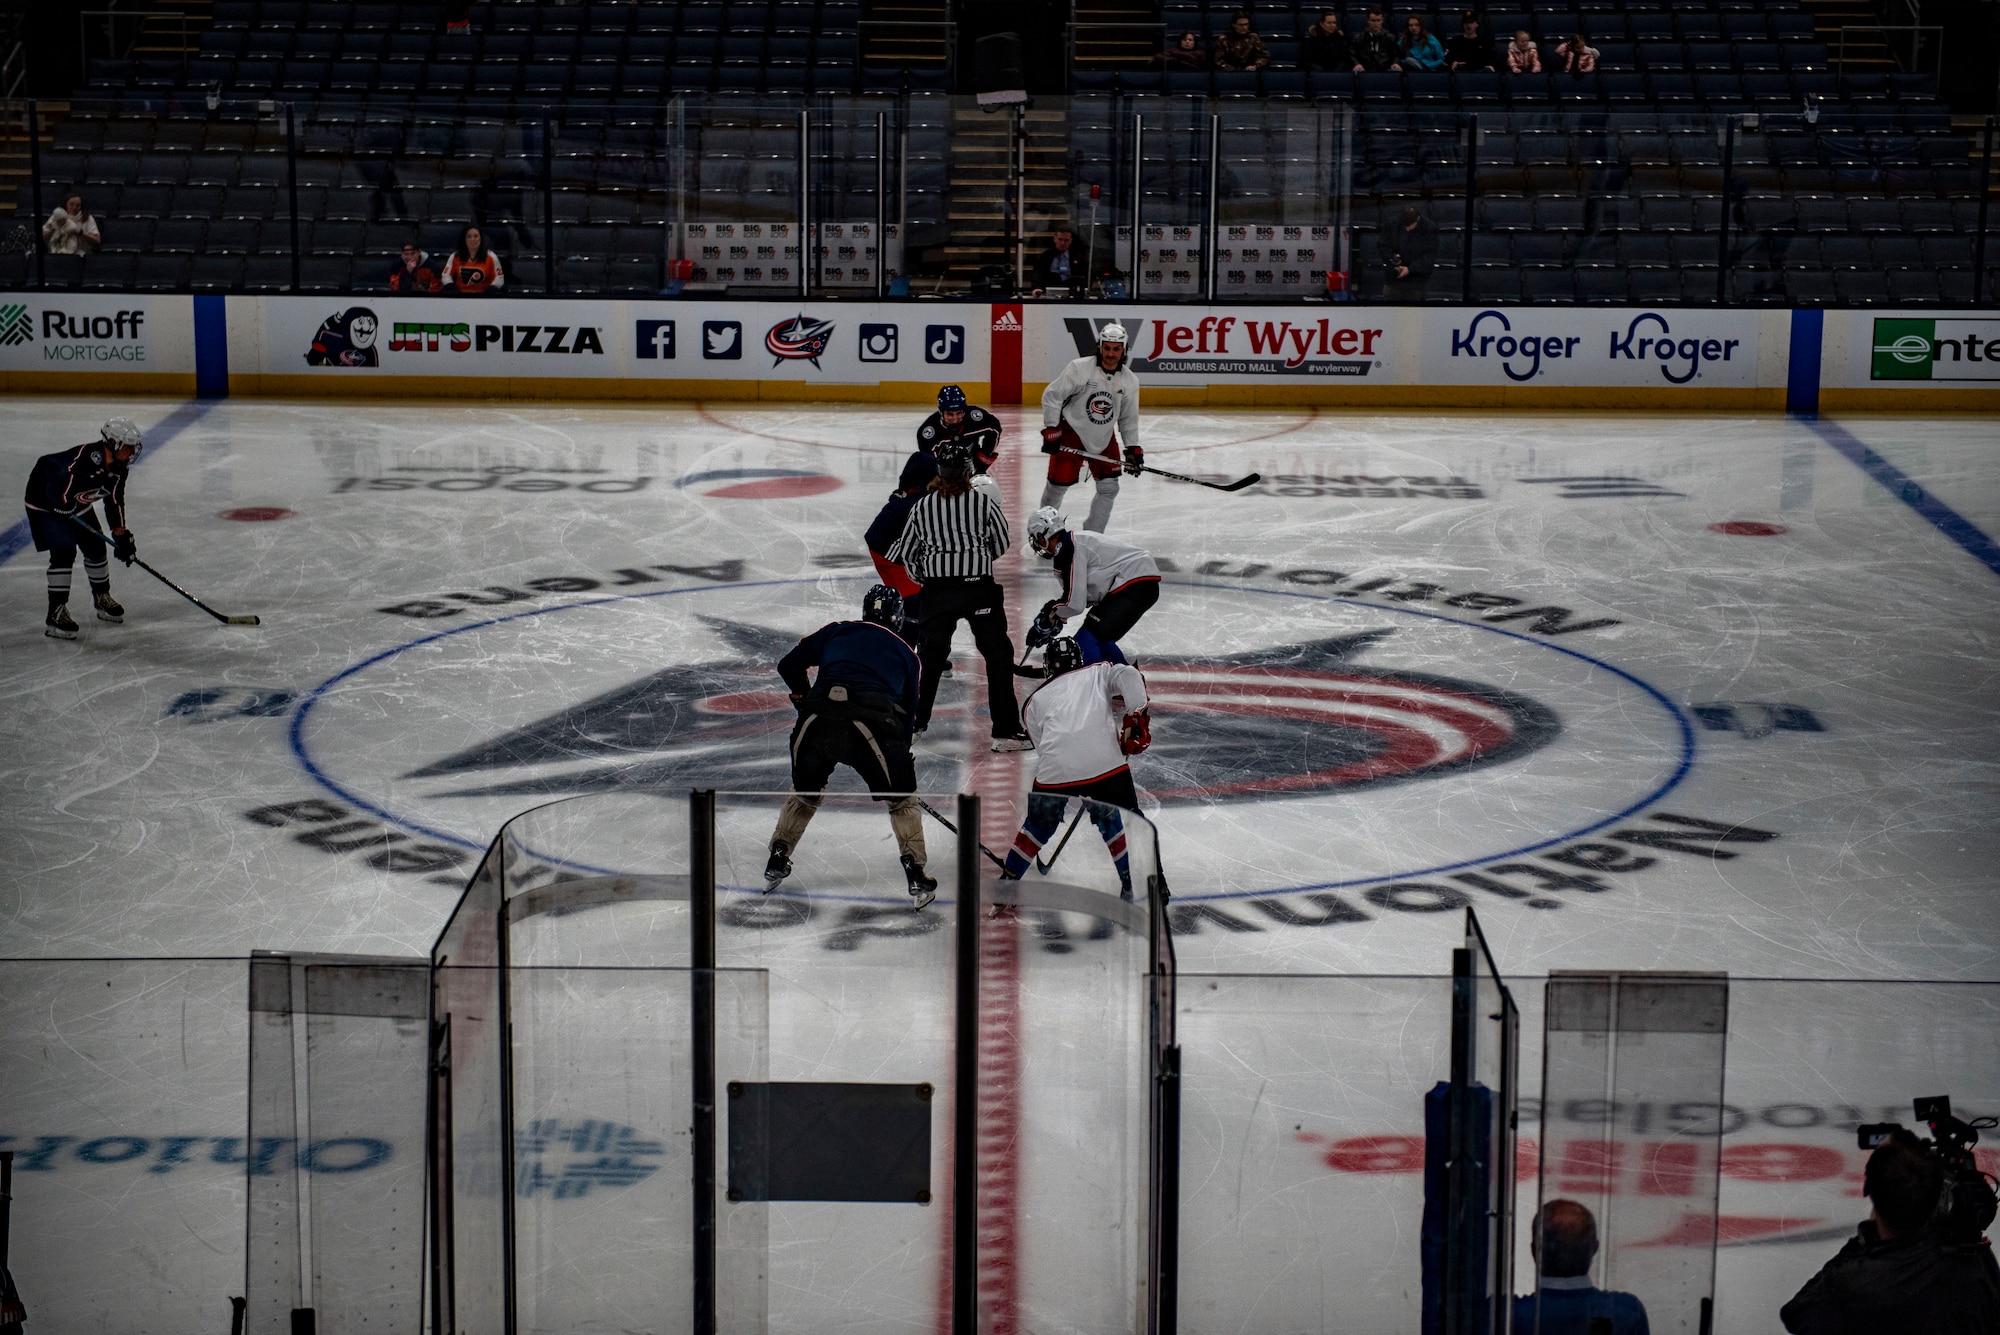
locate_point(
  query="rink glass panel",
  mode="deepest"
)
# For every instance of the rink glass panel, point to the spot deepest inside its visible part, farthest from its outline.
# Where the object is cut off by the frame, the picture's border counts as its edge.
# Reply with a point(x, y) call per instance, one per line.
point(1612, 1040)
point(1302, 1149)
point(122, 1094)
point(339, 1056)
point(1569, 200)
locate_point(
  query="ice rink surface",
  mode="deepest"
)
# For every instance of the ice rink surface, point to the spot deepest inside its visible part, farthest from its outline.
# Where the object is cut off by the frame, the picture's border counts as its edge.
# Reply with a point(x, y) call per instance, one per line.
point(1648, 692)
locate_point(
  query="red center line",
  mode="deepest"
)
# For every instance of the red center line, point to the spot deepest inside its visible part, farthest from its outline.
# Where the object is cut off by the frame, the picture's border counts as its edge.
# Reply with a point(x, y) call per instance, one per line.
point(999, 781)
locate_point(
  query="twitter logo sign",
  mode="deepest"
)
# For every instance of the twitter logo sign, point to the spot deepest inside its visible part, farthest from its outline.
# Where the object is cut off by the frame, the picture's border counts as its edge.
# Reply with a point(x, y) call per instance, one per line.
point(722, 340)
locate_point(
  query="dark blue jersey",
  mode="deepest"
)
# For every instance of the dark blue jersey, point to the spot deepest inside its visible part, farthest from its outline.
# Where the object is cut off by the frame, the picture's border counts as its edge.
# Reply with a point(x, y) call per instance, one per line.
point(68, 481)
point(860, 655)
point(918, 470)
point(978, 428)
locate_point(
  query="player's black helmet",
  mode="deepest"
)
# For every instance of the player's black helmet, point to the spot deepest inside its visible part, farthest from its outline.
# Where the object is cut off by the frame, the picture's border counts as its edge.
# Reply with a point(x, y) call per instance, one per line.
point(951, 399)
point(1063, 655)
point(954, 458)
point(883, 606)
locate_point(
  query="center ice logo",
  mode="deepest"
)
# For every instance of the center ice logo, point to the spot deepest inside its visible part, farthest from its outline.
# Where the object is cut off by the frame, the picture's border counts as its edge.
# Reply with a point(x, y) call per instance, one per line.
point(1287, 721)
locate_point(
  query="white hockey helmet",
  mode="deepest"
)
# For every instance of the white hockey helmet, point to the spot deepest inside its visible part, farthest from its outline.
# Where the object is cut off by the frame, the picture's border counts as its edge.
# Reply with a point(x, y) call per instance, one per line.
point(1044, 524)
point(1113, 333)
point(120, 431)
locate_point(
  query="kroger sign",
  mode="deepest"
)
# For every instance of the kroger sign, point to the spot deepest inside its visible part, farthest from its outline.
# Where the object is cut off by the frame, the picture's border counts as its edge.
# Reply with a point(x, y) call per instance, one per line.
point(1590, 347)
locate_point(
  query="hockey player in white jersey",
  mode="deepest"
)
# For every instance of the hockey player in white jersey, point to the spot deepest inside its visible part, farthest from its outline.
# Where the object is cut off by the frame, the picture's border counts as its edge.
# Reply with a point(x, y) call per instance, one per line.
point(1092, 407)
point(1115, 582)
point(1085, 720)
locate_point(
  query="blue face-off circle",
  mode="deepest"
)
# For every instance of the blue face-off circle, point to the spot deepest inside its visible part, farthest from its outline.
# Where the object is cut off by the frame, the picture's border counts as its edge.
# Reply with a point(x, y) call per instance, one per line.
point(1683, 763)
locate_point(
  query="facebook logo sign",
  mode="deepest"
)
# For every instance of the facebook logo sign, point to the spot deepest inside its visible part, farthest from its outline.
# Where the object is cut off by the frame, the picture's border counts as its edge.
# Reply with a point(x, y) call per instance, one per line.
point(656, 340)
point(722, 340)
point(944, 344)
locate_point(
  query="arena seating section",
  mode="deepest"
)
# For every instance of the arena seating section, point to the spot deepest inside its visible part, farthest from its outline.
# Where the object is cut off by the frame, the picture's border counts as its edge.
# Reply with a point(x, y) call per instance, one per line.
point(1604, 188)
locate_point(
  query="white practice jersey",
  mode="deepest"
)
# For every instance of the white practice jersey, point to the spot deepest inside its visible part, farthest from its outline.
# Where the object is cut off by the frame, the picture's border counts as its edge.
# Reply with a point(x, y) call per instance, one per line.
point(1075, 725)
point(1093, 402)
point(1097, 565)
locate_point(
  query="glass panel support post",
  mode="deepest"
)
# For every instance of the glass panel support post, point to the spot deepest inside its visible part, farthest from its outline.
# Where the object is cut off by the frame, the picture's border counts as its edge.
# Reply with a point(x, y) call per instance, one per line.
point(1165, 1239)
point(965, 1079)
point(1728, 196)
point(1214, 206)
point(1138, 194)
point(881, 205)
point(1344, 200)
point(1979, 235)
point(35, 198)
point(548, 205)
point(292, 184)
point(1471, 205)
point(701, 958)
point(808, 252)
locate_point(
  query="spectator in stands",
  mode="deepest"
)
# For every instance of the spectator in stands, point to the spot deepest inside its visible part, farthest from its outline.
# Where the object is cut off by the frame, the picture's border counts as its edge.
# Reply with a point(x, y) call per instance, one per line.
point(1409, 252)
point(473, 269)
point(1185, 54)
point(413, 272)
point(1472, 49)
point(1375, 50)
point(1238, 49)
point(1060, 270)
point(1326, 46)
point(71, 229)
point(1523, 56)
point(1564, 1240)
point(1577, 56)
point(1422, 52)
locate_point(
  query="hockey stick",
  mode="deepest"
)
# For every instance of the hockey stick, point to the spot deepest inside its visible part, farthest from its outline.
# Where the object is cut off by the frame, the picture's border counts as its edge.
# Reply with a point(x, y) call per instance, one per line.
point(1248, 480)
point(939, 817)
point(1043, 867)
point(226, 620)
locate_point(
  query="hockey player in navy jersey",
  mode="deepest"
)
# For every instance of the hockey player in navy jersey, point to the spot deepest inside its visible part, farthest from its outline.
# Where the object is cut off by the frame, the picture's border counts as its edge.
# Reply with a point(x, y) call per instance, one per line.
point(1085, 720)
point(61, 490)
point(958, 419)
point(1116, 582)
point(857, 711)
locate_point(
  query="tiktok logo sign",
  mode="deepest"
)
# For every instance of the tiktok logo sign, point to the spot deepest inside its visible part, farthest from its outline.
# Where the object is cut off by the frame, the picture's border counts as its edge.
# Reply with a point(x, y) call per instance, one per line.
point(944, 344)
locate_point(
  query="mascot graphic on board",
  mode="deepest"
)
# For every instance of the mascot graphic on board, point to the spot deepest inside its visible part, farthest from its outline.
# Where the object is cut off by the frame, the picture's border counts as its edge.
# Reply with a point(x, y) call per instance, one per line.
point(347, 339)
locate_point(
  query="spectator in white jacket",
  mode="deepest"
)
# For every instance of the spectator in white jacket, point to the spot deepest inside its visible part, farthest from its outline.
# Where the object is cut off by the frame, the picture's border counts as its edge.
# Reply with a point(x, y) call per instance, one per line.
point(71, 229)
point(1087, 413)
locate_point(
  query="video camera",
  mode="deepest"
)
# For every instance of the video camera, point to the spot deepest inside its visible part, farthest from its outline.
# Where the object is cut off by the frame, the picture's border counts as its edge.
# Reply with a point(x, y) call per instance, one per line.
point(1968, 1202)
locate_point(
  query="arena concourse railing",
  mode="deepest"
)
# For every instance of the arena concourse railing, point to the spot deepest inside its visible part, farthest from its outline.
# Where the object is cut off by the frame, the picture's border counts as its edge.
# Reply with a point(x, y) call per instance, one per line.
point(1844, 195)
point(628, 1086)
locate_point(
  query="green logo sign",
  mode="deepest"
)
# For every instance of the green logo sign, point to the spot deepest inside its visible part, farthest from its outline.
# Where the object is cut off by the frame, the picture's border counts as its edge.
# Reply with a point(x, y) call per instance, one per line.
point(15, 326)
point(1904, 350)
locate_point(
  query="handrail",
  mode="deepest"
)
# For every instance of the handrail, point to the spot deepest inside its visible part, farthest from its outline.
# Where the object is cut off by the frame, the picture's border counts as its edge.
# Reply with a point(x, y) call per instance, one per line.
point(10, 85)
point(1840, 48)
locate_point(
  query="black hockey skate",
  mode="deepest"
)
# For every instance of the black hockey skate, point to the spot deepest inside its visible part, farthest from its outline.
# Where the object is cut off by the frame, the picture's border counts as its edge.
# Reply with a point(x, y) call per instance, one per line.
point(923, 889)
point(778, 867)
point(59, 626)
point(108, 608)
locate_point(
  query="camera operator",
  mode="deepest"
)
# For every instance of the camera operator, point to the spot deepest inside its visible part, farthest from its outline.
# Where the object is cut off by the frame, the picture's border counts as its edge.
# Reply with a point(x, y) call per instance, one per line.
point(1905, 1270)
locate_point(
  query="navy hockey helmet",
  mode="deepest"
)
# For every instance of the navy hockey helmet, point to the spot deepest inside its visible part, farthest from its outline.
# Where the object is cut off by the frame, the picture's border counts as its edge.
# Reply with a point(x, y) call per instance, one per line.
point(1063, 655)
point(883, 606)
point(954, 458)
point(951, 399)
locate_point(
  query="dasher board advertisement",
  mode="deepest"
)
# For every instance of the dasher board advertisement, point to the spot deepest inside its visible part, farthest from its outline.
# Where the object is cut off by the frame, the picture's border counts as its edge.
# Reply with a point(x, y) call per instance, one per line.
point(1193, 346)
point(811, 343)
point(75, 331)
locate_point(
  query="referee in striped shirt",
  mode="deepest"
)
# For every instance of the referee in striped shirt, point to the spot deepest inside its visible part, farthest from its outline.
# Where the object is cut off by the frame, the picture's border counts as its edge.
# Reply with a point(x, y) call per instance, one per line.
point(949, 544)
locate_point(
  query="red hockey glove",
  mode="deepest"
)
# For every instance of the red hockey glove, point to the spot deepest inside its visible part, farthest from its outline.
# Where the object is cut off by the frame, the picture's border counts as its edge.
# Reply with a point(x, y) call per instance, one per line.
point(1135, 460)
point(1051, 440)
point(1135, 734)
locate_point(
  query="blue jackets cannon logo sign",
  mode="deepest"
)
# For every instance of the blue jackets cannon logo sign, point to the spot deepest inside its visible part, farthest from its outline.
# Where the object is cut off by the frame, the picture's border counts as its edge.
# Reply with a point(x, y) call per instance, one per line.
point(798, 339)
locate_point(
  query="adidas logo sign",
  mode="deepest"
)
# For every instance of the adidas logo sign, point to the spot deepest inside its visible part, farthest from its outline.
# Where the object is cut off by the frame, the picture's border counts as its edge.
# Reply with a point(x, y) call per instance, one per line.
point(1007, 323)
